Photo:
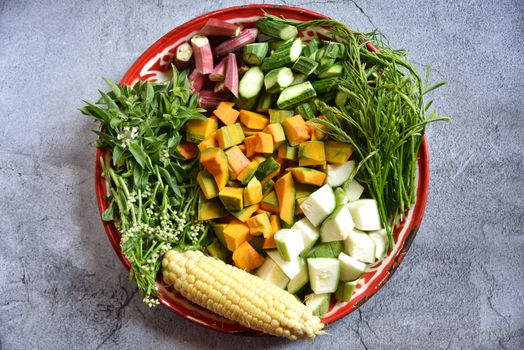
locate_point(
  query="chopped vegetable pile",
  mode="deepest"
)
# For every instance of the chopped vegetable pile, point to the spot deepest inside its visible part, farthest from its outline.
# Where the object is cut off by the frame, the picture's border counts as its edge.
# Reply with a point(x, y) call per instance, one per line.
point(304, 159)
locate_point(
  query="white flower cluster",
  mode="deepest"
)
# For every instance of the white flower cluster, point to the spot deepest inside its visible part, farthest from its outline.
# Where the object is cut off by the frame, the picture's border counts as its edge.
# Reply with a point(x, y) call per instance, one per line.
point(150, 301)
point(127, 136)
point(164, 156)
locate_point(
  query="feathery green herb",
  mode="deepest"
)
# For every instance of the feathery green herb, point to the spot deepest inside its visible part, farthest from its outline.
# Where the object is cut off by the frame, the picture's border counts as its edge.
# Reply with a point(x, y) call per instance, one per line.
point(384, 116)
point(152, 191)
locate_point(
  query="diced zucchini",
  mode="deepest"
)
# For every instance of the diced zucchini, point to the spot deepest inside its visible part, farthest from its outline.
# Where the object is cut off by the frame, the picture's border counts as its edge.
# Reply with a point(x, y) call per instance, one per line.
point(337, 225)
point(276, 29)
point(365, 214)
point(283, 56)
point(326, 250)
point(298, 78)
point(311, 47)
point(360, 246)
point(341, 99)
point(265, 101)
point(300, 280)
point(251, 83)
point(290, 268)
point(254, 53)
point(350, 268)
point(308, 232)
point(333, 49)
point(318, 303)
point(324, 274)
point(295, 94)
point(271, 272)
point(380, 237)
point(305, 65)
point(345, 290)
point(305, 110)
point(278, 79)
point(319, 205)
point(337, 174)
point(331, 71)
point(353, 190)
point(246, 103)
point(324, 85)
point(289, 243)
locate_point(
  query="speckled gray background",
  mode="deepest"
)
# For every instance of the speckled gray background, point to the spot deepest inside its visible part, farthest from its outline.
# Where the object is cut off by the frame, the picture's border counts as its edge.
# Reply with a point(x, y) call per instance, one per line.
point(61, 285)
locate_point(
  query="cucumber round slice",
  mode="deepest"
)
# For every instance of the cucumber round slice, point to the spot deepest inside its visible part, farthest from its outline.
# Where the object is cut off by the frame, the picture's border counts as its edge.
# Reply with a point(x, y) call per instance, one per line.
point(251, 83)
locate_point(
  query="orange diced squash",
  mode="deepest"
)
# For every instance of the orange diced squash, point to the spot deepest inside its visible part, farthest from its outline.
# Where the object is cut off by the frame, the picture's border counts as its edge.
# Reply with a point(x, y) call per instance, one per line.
point(259, 225)
point(275, 224)
point(229, 135)
point(236, 233)
point(285, 191)
point(338, 152)
point(242, 148)
point(207, 184)
point(296, 130)
point(264, 143)
point(248, 172)
point(211, 141)
point(308, 176)
point(187, 150)
point(314, 131)
point(270, 203)
point(237, 160)
point(232, 198)
point(277, 133)
point(253, 192)
point(269, 240)
point(199, 130)
point(214, 160)
point(258, 159)
point(226, 113)
point(249, 132)
point(253, 120)
point(269, 243)
point(247, 258)
point(250, 143)
point(311, 153)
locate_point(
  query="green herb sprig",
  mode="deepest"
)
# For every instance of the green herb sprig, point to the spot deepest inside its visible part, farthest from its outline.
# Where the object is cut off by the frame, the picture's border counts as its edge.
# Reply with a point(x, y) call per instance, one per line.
point(152, 191)
point(384, 116)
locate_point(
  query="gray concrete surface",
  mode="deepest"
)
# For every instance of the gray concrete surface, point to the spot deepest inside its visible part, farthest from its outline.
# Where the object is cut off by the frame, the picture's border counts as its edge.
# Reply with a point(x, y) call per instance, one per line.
point(61, 286)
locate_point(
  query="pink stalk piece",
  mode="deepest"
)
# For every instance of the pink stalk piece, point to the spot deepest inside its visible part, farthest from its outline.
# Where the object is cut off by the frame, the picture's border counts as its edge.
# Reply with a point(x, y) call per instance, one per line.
point(231, 79)
point(219, 71)
point(196, 81)
point(183, 55)
point(247, 36)
point(210, 99)
point(218, 27)
point(220, 87)
point(203, 55)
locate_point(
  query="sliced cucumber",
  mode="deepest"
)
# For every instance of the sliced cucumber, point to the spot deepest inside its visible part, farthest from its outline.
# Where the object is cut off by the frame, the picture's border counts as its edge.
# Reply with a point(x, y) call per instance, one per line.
point(254, 53)
point(271, 272)
point(295, 94)
point(298, 78)
point(311, 47)
point(300, 280)
point(360, 246)
point(251, 83)
point(345, 290)
point(319, 204)
point(337, 225)
point(330, 71)
point(276, 29)
point(290, 268)
point(380, 237)
point(309, 233)
point(289, 243)
point(341, 99)
point(305, 110)
point(324, 85)
point(305, 65)
point(324, 274)
point(365, 214)
point(350, 268)
point(353, 190)
point(318, 303)
point(286, 54)
point(279, 115)
point(337, 174)
point(278, 79)
point(265, 101)
point(333, 49)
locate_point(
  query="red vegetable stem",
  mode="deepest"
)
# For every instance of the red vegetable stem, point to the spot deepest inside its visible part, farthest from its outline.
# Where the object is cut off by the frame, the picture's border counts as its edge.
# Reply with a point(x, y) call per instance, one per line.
point(183, 55)
point(247, 36)
point(203, 55)
point(218, 27)
point(218, 72)
point(231, 80)
point(210, 99)
point(196, 81)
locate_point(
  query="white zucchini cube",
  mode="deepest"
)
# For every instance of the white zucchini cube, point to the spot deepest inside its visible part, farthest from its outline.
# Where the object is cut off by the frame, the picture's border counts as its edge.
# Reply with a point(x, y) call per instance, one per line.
point(365, 214)
point(337, 174)
point(289, 243)
point(309, 233)
point(290, 268)
point(350, 268)
point(324, 274)
point(318, 303)
point(353, 190)
point(360, 246)
point(380, 238)
point(337, 225)
point(272, 273)
point(300, 280)
point(319, 204)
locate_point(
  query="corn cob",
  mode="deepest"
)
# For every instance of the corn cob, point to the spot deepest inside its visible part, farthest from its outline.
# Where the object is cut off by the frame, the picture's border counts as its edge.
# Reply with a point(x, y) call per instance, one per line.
point(238, 295)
